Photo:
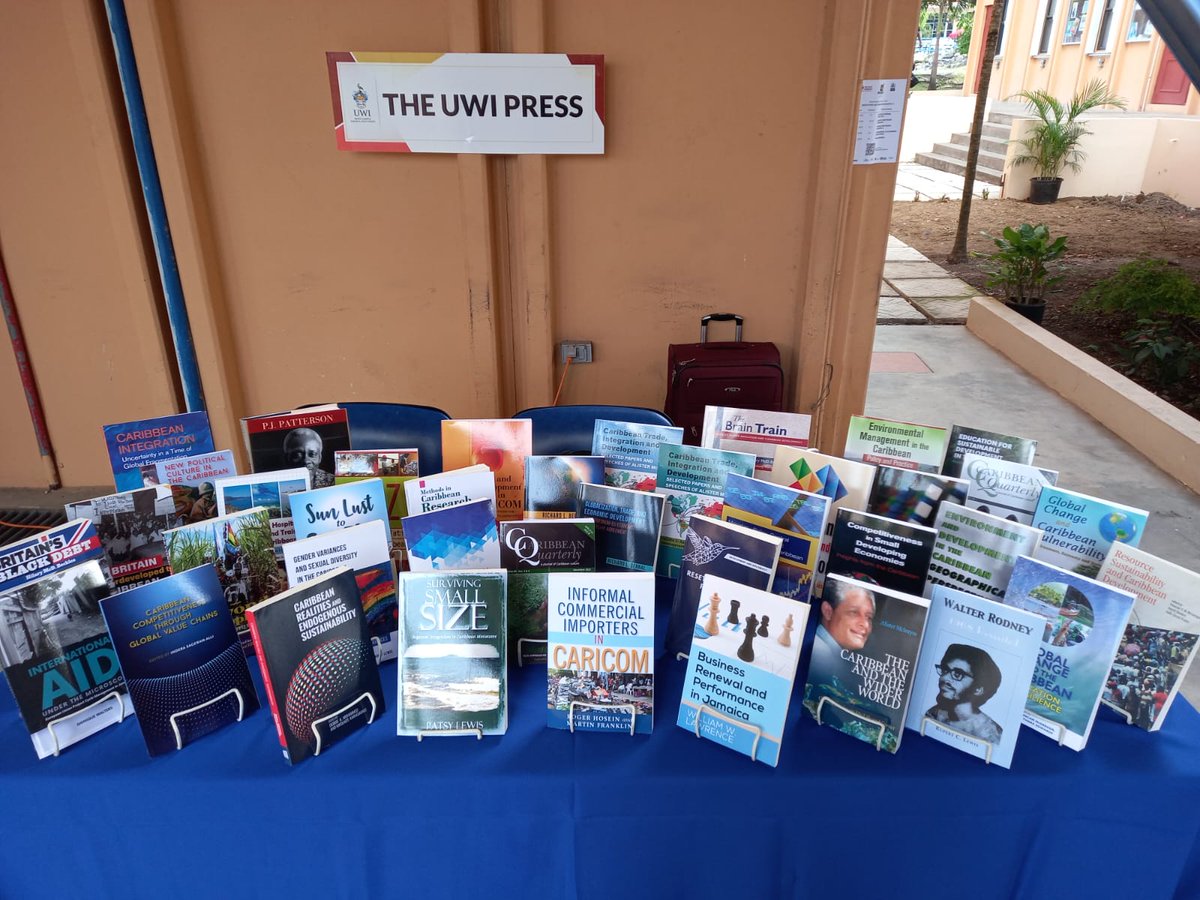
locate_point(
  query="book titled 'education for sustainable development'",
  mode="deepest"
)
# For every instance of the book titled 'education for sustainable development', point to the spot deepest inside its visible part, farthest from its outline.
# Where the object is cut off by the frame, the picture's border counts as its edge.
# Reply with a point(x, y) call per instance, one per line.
point(134, 447)
point(901, 444)
point(974, 673)
point(600, 669)
point(1083, 621)
point(499, 444)
point(57, 655)
point(630, 451)
point(181, 658)
point(453, 653)
point(318, 668)
point(964, 440)
point(742, 667)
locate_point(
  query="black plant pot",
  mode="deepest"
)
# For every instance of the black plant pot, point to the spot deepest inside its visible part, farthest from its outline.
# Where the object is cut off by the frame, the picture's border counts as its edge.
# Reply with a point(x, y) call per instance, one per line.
point(1044, 190)
point(1032, 311)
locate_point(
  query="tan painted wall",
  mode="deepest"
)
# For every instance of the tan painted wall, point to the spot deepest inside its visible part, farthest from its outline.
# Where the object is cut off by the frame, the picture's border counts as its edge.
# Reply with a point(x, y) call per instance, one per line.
point(83, 279)
point(313, 274)
point(1171, 164)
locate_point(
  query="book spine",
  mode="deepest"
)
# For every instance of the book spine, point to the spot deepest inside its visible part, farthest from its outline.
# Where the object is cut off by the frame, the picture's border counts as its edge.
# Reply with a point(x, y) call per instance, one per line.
point(266, 676)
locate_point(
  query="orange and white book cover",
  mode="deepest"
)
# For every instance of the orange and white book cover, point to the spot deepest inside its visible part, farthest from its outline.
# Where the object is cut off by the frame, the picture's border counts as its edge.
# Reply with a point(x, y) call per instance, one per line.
point(499, 444)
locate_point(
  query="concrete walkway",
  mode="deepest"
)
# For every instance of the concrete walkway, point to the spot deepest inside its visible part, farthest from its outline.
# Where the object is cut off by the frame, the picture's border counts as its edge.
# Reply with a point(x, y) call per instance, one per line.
point(917, 182)
point(916, 291)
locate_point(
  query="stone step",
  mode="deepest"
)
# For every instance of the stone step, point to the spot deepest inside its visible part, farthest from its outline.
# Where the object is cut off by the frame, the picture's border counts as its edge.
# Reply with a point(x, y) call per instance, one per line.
point(999, 118)
point(959, 152)
point(986, 145)
point(949, 164)
point(996, 132)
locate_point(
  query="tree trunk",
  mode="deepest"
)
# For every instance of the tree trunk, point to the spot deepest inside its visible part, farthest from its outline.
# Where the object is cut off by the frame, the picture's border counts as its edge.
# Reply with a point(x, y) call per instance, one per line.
point(937, 43)
point(959, 252)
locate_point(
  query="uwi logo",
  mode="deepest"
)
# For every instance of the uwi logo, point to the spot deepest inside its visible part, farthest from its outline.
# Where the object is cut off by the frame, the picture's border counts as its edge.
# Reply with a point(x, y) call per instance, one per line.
point(360, 98)
point(362, 112)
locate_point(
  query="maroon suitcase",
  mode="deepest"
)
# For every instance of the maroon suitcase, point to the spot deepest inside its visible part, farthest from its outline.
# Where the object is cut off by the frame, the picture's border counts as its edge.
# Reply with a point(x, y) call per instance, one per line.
point(744, 374)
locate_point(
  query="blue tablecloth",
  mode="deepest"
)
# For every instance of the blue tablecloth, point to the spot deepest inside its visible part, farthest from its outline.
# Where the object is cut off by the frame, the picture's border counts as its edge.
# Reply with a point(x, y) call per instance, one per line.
point(543, 813)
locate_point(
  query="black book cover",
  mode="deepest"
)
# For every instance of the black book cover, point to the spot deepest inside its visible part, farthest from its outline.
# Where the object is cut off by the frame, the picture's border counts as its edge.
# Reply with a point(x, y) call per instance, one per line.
point(314, 649)
point(881, 551)
point(628, 526)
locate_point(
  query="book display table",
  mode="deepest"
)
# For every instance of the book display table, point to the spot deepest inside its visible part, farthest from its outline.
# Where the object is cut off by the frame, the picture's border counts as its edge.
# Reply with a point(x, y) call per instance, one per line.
point(544, 813)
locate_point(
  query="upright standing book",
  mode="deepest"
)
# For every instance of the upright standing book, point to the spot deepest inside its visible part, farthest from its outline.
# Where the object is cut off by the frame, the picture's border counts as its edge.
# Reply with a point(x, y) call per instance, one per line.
point(1083, 621)
point(692, 479)
point(864, 658)
point(499, 444)
point(454, 537)
point(600, 669)
point(364, 548)
point(395, 468)
point(1159, 644)
point(270, 490)
point(912, 496)
point(239, 546)
point(552, 484)
point(1006, 489)
point(905, 445)
point(881, 551)
point(134, 447)
point(742, 668)
point(1077, 530)
point(630, 451)
point(628, 526)
point(314, 650)
point(798, 517)
point(964, 440)
point(451, 488)
point(453, 653)
point(181, 658)
point(340, 506)
point(197, 475)
point(975, 552)
point(57, 655)
point(974, 673)
point(754, 431)
point(131, 527)
point(306, 438)
point(716, 547)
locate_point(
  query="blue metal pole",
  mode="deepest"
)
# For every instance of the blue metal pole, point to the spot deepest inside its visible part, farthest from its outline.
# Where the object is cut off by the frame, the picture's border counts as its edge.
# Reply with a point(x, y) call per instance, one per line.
point(164, 250)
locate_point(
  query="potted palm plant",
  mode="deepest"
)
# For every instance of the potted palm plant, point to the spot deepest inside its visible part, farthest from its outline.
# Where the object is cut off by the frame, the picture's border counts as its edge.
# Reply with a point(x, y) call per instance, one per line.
point(1021, 266)
point(1053, 143)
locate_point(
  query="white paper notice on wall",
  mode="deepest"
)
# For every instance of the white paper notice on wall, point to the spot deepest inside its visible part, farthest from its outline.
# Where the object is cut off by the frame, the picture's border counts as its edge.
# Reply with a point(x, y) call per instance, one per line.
point(880, 112)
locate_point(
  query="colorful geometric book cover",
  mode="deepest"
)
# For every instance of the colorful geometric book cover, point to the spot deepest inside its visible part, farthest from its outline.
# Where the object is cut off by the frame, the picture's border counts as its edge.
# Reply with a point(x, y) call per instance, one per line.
point(450, 489)
point(394, 468)
point(552, 483)
point(239, 546)
point(964, 440)
point(1159, 644)
point(319, 672)
point(754, 431)
point(340, 506)
point(974, 674)
point(742, 667)
point(912, 496)
point(529, 550)
point(692, 479)
point(1083, 622)
point(881, 551)
point(134, 446)
point(601, 668)
point(716, 547)
point(1077, 530)
point(200, 473)
point(364, 549)
point(975, 552)
point(904, 445)
point(847, 485)
point(796, 516)
point(628, 526)
point(501, 445)
point(453, 653)
point(131, 526)
point(304, 437)
point(57, 655)
point(1002, 488)
point(181, 658)
point(630, 451)
point(270, 490)
point(864, 658)
point(454, 537)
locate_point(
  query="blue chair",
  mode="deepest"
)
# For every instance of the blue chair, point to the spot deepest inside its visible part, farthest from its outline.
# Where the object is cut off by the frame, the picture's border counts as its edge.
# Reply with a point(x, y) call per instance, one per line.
point(379, 426)
point(568, 429)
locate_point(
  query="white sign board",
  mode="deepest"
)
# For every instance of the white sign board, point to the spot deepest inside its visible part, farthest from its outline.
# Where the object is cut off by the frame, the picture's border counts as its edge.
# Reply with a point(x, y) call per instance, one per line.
point(880, 112)
point(468, 102)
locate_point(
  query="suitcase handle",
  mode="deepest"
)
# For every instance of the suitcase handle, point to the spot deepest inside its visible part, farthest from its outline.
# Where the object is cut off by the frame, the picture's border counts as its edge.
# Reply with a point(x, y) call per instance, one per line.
point(720, 317)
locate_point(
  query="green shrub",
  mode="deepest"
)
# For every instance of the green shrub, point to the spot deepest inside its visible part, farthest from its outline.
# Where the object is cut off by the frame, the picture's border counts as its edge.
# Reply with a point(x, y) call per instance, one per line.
point(1146, 289)
point(1021, 264)
point(1161, 351)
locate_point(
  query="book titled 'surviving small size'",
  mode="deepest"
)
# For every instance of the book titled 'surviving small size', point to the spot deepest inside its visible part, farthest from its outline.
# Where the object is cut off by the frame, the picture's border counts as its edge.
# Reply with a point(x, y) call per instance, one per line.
point(742, 667)
point(181, 658)
point(600, 669)
point(319, 671)
point(628, 526)
point(453, 653)
point(901, 444)
point(134, 446)
point(630, 451)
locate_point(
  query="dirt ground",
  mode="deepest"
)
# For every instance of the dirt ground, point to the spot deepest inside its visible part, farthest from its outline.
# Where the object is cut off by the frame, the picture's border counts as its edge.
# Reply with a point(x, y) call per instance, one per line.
point(1102, 234)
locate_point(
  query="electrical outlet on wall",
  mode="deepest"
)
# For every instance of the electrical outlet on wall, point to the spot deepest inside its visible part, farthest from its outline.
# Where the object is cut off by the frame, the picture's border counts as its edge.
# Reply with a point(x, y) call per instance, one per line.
point(575, 351)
